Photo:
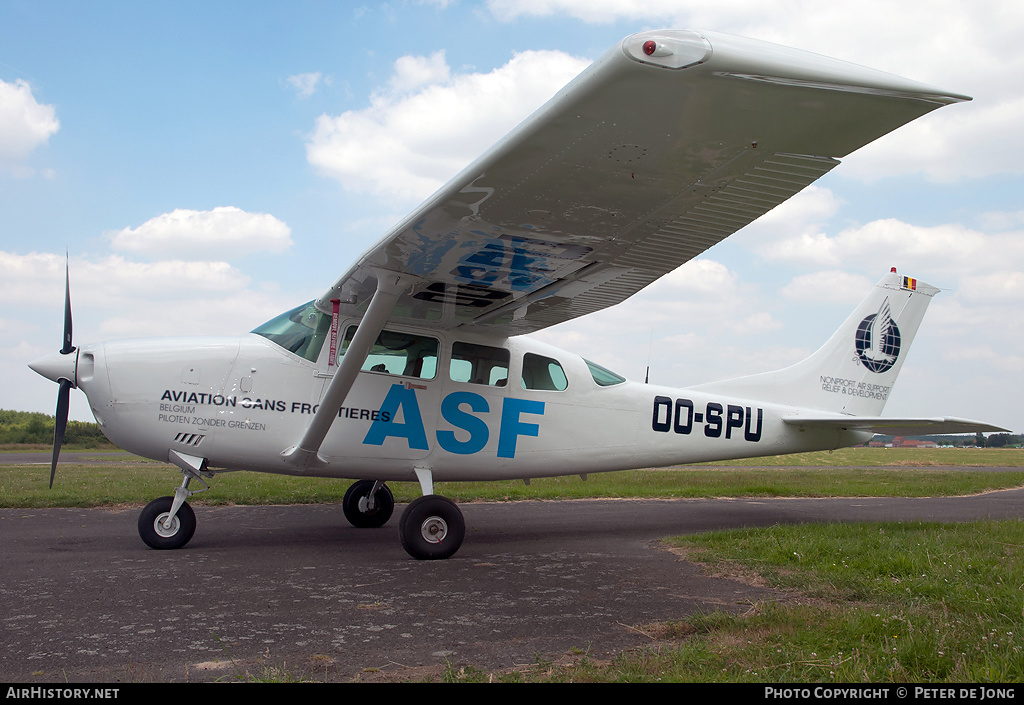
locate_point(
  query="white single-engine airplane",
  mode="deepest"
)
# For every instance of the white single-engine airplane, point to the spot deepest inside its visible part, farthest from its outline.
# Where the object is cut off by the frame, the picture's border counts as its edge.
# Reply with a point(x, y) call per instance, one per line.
point(413, 366)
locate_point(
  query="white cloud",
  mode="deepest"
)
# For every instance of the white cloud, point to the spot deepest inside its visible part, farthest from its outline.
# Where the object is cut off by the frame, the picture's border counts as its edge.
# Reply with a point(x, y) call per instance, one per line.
point(800, 218)
point(693, 325)
point(111, 281)
point(413, 72)
point(305, 84)
point(25, 124)
point(830, 286)
point(958, 45)
point(964, 141)
point(115, 297)
point(996, 287)
point(811, 206)
point(698, 277)
point(597, 11)
point(432, 123)
point(706, 294)
point(942, 248)
point(196, 235)
point(1002, 220)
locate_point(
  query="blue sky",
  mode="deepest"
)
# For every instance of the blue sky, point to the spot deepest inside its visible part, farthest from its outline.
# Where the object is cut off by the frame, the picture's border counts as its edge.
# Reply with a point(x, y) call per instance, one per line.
point(209, 165)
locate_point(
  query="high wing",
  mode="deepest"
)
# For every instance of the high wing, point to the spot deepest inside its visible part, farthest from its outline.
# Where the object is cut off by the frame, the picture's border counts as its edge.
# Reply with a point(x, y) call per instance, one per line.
point(893, 426)
point(666, 145)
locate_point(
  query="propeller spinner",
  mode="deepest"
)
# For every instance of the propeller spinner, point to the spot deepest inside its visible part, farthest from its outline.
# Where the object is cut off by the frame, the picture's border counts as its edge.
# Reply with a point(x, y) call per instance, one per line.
point(62, 368)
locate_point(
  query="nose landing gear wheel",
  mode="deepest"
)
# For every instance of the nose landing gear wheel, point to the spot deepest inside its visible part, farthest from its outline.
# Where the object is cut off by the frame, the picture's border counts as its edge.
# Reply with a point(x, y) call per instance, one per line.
point(432, 528)
point(358, 511)
point(157, 533)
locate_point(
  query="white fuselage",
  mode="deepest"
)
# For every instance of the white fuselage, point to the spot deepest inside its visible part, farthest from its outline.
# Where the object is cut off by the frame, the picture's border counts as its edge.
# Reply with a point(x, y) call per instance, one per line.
point(239, 402)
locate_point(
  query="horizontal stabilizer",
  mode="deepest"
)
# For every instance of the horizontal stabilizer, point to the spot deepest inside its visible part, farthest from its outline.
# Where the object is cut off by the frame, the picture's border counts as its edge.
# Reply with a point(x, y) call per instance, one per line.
point(894, 426)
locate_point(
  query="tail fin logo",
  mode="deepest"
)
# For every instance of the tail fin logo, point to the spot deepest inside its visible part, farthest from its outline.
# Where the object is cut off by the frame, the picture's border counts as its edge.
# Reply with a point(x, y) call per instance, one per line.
point(878, 340)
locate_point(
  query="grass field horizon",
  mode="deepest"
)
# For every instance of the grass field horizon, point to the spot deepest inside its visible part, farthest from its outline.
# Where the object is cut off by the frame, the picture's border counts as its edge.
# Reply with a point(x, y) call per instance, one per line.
point(119, 478)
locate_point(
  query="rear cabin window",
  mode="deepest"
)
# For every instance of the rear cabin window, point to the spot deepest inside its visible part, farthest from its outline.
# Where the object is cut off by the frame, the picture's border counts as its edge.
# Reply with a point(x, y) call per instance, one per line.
point(604, 376)
point(397, 353)
point(541, 372)
point(479, 364)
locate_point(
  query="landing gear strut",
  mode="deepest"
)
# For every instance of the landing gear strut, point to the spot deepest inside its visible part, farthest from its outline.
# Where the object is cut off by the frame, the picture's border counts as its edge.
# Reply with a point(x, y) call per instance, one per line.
point(169, 522)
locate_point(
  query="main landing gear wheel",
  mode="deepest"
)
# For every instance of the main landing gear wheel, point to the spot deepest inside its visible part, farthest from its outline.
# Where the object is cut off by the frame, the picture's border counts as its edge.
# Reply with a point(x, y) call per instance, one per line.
point(155, 531)
point(365, 511)
point(432, 528)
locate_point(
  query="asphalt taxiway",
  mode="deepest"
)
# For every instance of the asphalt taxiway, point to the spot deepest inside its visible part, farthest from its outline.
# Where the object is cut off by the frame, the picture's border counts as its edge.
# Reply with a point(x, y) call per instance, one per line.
point(83, 599)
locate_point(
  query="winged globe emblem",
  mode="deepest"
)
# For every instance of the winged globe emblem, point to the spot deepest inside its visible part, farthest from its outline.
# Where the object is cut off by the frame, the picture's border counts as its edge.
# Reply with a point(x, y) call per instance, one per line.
point(878, 340)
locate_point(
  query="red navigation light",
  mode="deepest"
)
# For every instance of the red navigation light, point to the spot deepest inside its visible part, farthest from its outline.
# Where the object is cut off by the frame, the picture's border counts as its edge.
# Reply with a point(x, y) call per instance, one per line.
point(650, 46)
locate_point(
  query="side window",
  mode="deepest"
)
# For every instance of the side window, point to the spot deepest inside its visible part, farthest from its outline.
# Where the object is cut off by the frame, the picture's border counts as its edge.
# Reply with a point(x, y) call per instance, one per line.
point(604, 376)
point(479, 364)
point(543, 373)
point(397, 353)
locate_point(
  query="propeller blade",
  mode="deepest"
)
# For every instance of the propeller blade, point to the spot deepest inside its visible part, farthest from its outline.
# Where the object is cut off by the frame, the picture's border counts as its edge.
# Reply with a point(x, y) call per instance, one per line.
point(68, 347)
point(60, 424)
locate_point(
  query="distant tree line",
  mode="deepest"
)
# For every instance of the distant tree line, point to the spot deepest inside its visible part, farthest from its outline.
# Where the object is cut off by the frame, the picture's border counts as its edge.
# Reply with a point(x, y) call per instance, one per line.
point(1002, 440)
point(28, 427)
point(978, 440)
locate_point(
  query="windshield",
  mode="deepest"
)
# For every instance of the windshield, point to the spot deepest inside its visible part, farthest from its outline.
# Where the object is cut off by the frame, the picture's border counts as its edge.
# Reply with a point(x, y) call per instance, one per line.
point(301, 331)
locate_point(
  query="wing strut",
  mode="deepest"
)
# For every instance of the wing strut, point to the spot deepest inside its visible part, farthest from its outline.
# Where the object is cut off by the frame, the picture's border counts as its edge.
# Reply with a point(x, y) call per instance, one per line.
point(390, 286)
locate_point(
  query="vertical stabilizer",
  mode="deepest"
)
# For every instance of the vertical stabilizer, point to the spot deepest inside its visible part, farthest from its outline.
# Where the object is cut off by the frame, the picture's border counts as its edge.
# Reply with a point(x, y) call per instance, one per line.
point(853, 373)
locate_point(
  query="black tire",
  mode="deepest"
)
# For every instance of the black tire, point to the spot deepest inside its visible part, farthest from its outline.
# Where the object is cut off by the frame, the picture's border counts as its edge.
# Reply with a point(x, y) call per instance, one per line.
point(385, 505)
point(432, 528)
point(151, 524)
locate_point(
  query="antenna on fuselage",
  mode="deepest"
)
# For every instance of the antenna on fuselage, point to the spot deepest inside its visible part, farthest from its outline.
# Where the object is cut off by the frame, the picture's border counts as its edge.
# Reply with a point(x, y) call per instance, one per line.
point(650, 346)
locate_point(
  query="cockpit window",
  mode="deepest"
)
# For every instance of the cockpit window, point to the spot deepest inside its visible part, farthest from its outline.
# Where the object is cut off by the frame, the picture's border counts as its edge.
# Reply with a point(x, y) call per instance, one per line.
point(604, 377)
point(397, 353)
point(301, 331)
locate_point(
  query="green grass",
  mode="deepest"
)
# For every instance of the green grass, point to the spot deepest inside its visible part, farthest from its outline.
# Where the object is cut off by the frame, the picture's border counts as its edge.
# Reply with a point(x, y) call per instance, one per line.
point(856, 472)
point(863, 603)
point(895, 457)
point(881, 602)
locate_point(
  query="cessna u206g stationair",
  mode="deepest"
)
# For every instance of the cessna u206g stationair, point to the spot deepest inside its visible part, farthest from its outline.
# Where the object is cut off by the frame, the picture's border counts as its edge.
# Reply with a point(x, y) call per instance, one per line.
point(415, 366)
